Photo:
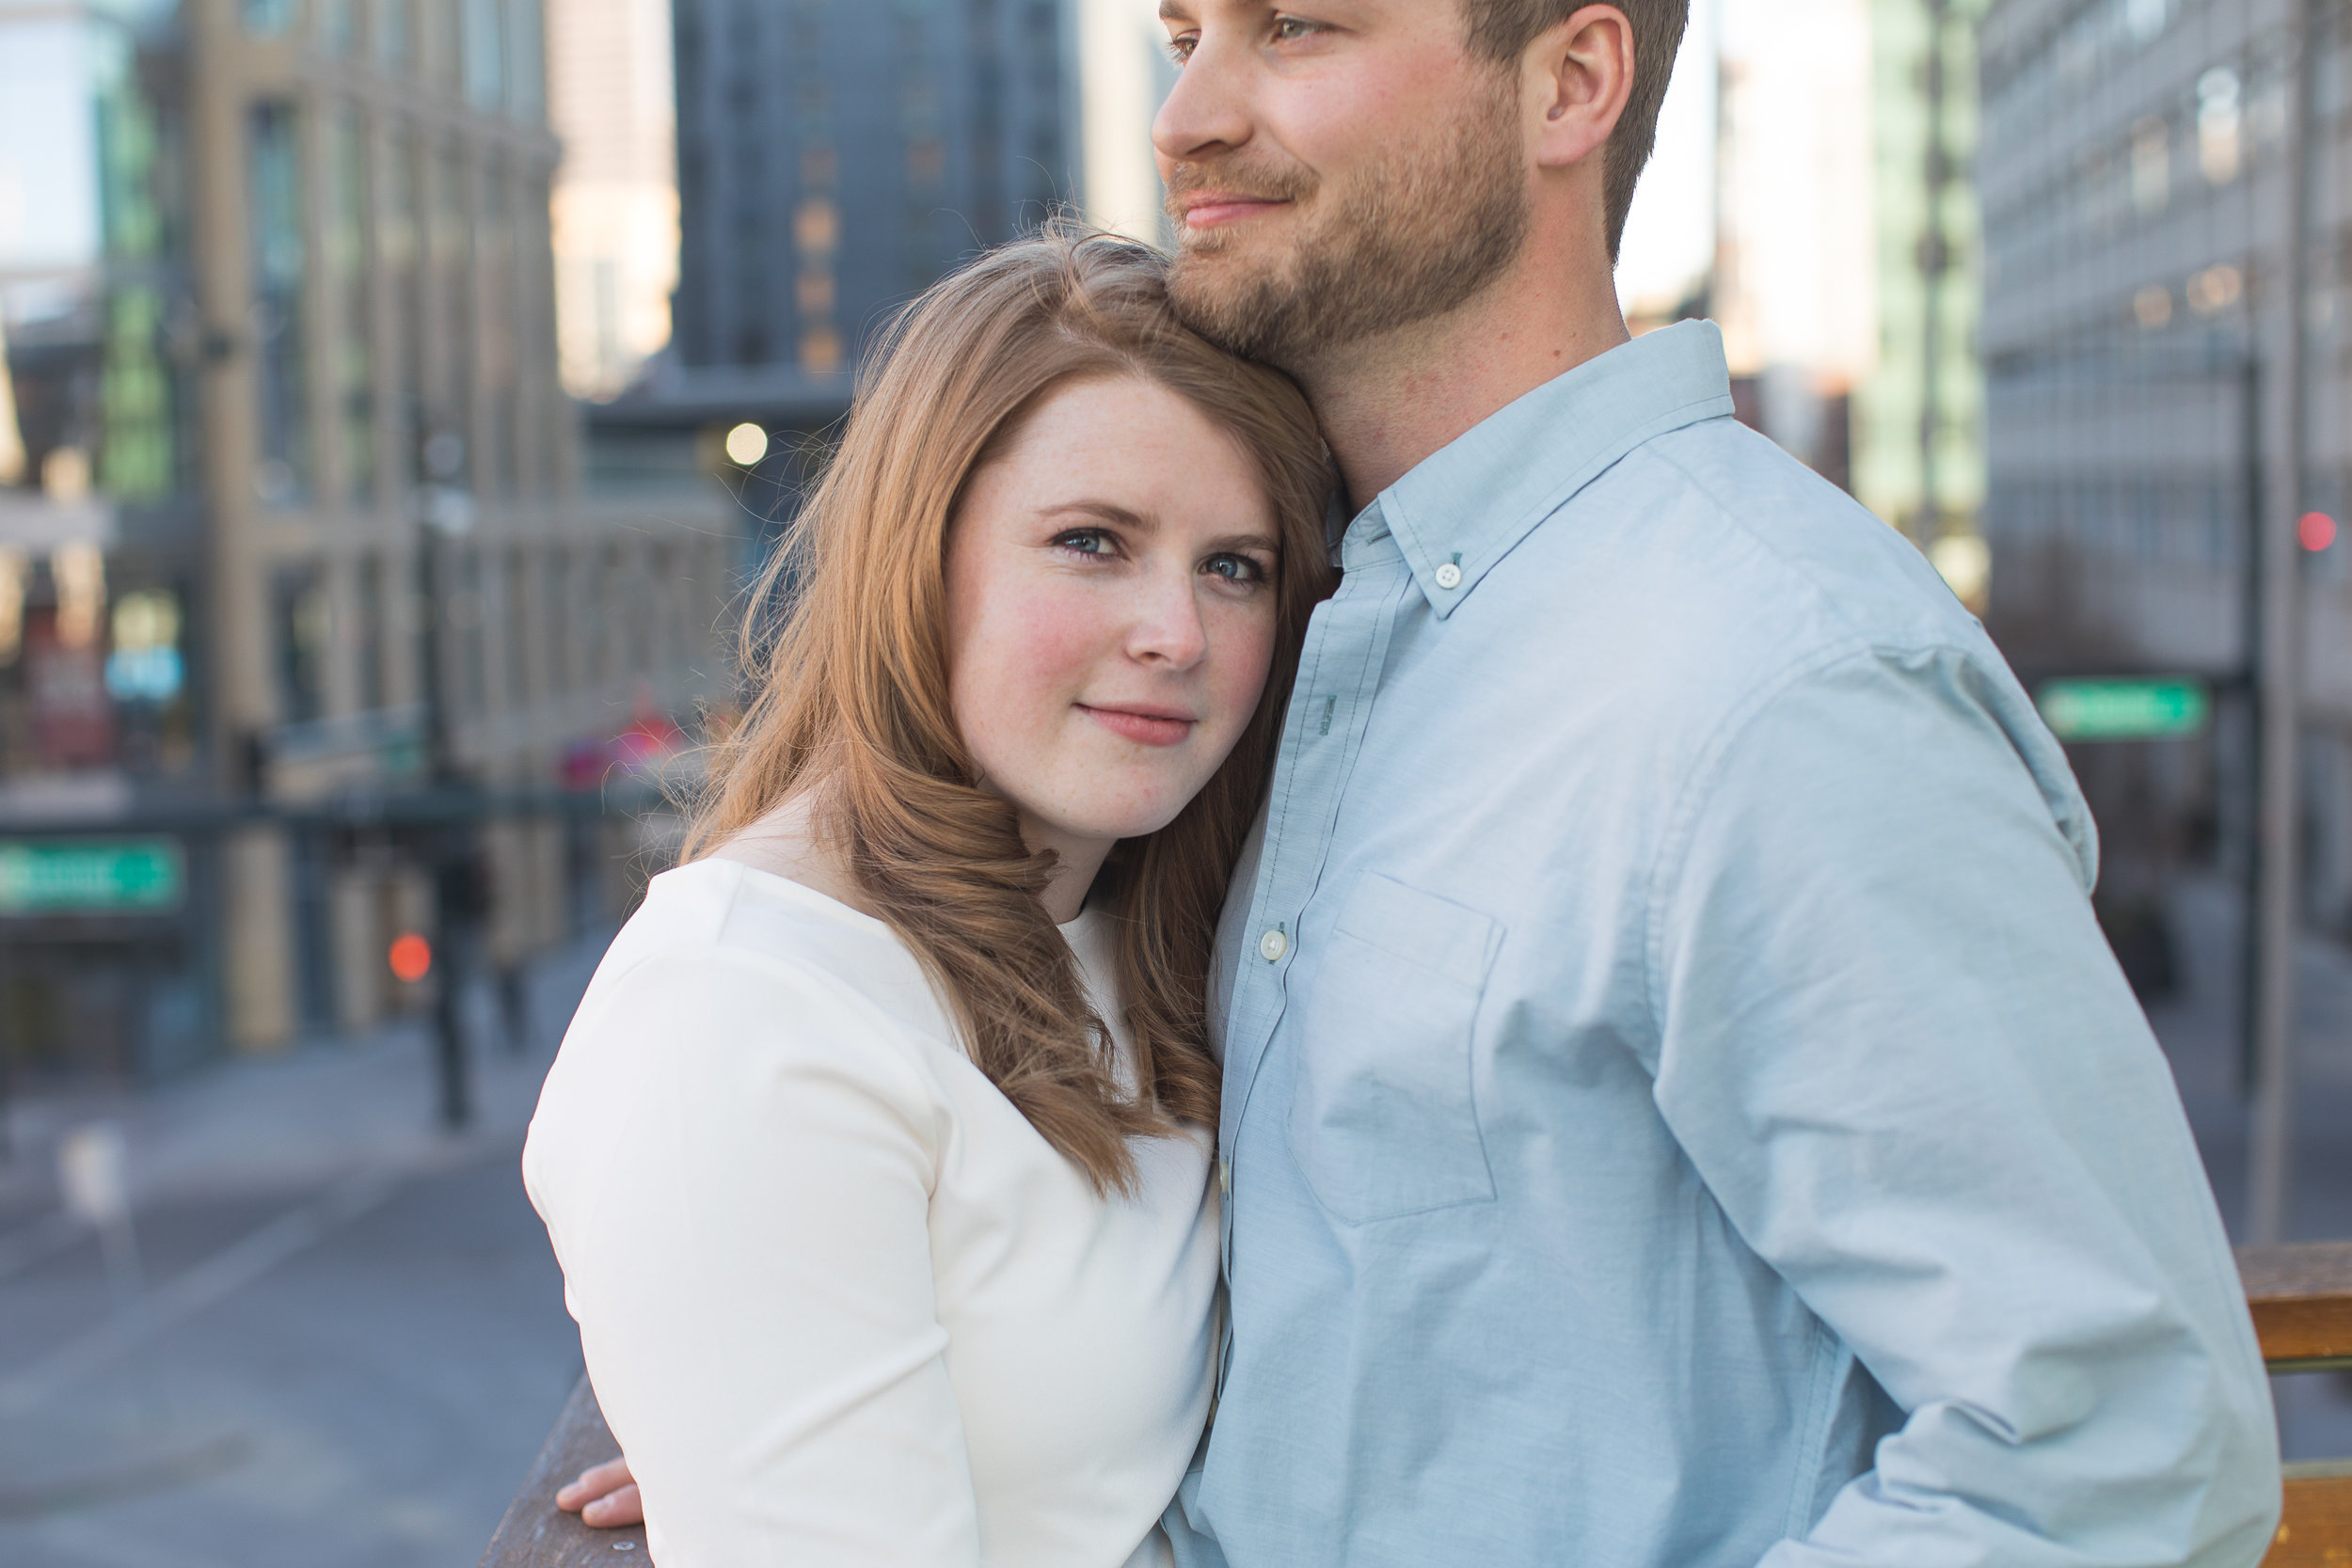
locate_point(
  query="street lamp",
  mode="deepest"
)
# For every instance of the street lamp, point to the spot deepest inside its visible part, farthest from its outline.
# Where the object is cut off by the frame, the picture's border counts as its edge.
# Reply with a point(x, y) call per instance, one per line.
point(445, 513)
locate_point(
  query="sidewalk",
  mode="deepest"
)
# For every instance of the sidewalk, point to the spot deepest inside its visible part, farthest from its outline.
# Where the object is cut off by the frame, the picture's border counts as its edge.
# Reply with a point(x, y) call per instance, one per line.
point(352, 1336)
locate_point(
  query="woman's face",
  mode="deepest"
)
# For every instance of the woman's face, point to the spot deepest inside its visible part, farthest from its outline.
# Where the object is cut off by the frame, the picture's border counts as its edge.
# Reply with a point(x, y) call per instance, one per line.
point(1110, 612)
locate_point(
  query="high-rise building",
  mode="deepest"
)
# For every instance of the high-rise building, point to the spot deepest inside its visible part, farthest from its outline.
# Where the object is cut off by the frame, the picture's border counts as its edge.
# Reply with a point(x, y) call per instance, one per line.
point(1795, 282)
point(837, 157)
point(2141, 224)
point(287, 456)
point(1918, 419)
point(611, 103)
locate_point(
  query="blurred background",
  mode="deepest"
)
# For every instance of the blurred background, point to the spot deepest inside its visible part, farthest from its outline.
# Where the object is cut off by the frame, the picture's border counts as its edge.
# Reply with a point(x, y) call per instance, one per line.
point(399, 394)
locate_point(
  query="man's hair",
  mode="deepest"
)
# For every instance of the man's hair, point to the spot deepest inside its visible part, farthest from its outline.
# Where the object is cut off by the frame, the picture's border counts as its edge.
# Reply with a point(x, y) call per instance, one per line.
point(1499, 29)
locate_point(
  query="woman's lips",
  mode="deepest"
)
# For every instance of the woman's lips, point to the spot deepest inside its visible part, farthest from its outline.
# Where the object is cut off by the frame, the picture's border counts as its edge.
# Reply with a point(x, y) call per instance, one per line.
point(1148, 729)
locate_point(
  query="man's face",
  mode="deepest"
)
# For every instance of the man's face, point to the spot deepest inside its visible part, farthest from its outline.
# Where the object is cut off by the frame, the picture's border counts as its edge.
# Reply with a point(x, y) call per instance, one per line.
point(1335, 170)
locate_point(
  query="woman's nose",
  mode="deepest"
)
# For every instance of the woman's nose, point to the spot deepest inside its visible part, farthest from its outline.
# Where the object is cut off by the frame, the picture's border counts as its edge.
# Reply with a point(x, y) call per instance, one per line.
point(1167, 628)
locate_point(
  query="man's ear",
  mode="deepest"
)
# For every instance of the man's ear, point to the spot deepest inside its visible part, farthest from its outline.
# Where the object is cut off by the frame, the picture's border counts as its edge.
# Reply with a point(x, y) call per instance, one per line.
point(1577, 76)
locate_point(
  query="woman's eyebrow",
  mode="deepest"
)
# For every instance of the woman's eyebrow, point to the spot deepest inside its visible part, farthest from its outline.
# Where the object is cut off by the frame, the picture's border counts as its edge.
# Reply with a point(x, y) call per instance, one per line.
point(1108, 512)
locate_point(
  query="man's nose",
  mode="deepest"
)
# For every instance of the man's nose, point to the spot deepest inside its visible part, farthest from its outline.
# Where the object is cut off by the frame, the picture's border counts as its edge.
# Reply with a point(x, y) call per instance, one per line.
point(1208, 110)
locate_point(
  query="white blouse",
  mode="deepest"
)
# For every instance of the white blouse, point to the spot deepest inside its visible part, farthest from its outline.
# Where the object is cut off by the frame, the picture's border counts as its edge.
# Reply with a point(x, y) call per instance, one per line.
point(840, 1302)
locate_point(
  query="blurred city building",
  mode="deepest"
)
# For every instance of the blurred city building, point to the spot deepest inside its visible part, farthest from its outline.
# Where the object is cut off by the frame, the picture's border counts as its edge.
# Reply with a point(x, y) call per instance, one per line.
point(1845, 275)
point(289, 458)
point(833, 160)
point(1125, 70)
point(611, 102)
point(2142, 219)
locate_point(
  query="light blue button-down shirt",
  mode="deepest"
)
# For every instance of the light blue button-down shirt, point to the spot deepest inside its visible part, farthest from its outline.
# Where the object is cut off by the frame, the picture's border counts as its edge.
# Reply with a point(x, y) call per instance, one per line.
point(1680, 1108)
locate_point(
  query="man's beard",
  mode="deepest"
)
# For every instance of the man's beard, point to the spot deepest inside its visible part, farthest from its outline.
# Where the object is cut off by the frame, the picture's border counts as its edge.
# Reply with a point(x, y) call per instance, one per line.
point(1403, 243)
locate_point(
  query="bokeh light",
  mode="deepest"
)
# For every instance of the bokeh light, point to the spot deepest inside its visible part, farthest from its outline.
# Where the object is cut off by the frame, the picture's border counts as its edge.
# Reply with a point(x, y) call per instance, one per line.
point(2316, 531)
point(747, 444)
point(411, 958)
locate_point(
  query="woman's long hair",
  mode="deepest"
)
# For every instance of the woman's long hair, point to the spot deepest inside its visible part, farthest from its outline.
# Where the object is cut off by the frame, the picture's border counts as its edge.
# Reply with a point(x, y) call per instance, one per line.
point(852, 708)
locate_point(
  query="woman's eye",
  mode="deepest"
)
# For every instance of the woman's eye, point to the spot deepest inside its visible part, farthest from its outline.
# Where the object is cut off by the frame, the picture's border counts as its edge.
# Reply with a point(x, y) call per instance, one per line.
point(1085, 541)
point(1179, 49)
point(1236, 568)
point(1289, 29)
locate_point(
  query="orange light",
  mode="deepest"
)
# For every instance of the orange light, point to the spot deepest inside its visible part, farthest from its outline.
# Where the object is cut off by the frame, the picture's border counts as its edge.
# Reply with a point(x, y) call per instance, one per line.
point(2316, 531)
point(411, 958)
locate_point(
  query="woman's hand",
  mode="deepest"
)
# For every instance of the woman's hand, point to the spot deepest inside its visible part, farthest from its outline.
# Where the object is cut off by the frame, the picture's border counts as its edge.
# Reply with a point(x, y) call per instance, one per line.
point(605, 1496)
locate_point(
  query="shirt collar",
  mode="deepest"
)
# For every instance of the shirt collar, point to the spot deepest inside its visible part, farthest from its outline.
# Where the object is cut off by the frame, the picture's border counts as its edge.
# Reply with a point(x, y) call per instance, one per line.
point(1468, 503)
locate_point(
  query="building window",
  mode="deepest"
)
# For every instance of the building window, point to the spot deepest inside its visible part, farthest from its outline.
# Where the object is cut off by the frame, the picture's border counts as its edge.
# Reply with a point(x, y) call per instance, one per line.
point(484, 55)
point(339, 26)
point(367, 635)
point(274, 183)
point(345, 243)
point(820, 351)
point(304, 622)
point(397, 256)
point(395, 35)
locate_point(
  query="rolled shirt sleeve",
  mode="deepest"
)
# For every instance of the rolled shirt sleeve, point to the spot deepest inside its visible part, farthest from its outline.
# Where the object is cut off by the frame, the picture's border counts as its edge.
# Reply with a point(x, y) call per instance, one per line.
point(1897, 1049)
point(737, 1181)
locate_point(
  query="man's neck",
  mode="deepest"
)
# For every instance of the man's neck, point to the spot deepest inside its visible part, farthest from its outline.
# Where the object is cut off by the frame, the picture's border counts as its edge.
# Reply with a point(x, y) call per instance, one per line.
point(1387, 403)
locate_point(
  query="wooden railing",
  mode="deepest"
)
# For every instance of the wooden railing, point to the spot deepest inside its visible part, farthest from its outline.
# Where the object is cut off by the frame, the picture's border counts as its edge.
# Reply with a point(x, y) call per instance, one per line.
point(2303, 1302)
point(537, 1534)
point(2301, 1298)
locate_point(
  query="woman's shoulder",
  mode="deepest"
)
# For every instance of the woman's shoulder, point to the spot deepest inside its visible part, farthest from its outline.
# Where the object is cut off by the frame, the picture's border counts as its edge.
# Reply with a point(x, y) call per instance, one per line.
point(724, 960)
point(725, 913)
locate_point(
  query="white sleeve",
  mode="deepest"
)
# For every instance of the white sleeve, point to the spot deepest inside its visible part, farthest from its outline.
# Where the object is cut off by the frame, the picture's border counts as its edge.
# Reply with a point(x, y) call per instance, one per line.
point(735, 1163)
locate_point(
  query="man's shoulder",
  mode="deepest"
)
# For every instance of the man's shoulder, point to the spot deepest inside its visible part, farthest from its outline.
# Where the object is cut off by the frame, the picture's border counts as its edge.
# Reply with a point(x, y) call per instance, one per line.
point(1727, 540)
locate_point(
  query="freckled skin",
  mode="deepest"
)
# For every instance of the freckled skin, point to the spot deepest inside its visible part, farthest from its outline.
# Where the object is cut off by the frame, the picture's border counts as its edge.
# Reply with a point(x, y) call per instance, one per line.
point(1110, 621)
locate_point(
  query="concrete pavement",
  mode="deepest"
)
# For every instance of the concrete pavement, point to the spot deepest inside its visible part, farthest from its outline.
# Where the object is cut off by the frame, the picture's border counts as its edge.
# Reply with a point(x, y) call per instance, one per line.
point(352, 1337)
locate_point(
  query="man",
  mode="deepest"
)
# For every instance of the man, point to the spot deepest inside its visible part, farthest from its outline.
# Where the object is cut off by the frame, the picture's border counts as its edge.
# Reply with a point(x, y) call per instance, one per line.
point(1678, 1108)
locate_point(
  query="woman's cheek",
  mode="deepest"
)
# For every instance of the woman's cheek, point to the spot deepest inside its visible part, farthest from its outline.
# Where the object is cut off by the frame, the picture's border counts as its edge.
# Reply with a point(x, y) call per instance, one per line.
point(1244, 661)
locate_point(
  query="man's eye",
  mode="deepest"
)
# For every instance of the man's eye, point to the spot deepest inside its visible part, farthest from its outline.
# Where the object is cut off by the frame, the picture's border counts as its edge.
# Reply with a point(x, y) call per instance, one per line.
point(1289, 29)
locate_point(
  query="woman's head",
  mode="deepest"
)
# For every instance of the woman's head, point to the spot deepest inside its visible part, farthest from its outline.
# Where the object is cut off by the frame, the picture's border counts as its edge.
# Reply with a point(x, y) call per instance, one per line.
point(1113, 570)
point(1047, 595)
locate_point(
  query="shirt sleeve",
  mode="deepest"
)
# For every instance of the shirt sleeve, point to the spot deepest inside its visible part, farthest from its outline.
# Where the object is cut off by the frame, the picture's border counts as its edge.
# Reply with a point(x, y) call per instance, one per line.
point(1897, 1049)
point(735, 1161)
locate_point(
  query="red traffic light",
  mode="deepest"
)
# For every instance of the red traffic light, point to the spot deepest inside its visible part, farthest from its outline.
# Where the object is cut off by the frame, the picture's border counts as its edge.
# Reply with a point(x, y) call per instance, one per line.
point(411, 958)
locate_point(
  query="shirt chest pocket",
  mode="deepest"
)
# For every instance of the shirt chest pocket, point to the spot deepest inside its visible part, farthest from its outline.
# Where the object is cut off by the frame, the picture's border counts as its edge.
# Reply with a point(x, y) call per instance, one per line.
point(1383, 1117)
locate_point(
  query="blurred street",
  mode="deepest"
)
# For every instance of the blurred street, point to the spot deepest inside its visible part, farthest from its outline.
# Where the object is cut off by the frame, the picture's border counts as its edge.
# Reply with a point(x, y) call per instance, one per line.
point(354, 1337)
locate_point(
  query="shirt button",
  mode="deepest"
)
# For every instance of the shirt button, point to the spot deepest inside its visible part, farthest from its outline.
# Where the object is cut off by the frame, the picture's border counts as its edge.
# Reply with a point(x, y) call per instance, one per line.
point(1273, 944)
point(1449, 577)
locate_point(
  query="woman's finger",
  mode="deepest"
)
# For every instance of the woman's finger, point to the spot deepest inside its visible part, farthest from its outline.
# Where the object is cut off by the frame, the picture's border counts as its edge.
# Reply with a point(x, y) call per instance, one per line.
point(617, 1510)
point(597, 1480)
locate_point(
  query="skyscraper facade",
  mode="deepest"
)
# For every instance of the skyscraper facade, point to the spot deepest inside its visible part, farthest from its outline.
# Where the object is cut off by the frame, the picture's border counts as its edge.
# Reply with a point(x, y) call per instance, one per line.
point(2149, 362)
point(835, 156)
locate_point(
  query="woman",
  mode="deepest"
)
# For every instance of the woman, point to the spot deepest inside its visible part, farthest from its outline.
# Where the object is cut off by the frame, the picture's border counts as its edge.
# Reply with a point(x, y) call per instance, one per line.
point(877, 1155)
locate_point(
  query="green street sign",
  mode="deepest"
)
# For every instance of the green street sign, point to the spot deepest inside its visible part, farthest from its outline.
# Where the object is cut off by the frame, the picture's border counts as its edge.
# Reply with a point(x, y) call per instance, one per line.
point(113, 876)
point(2135, 708)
